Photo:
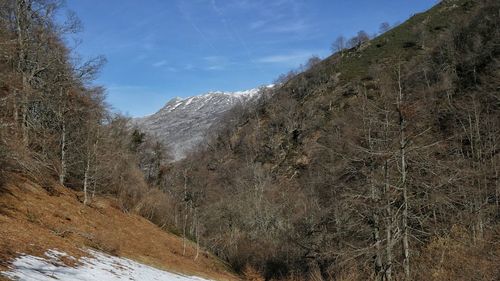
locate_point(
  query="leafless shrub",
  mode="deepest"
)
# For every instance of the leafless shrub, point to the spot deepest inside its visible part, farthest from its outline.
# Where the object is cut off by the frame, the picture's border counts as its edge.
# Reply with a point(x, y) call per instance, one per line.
point(156, 206)
point(104, 242)
point(251, 274)
point(339, 45)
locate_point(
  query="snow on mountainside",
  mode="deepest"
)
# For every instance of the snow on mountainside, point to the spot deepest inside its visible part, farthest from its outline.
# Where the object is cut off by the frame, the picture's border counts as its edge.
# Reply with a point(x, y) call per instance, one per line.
point(182, 123)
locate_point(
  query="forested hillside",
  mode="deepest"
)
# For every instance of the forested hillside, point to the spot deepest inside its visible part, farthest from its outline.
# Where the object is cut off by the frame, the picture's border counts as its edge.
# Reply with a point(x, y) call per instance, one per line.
point(380, 162)
point(73, 176)
point(55, 125)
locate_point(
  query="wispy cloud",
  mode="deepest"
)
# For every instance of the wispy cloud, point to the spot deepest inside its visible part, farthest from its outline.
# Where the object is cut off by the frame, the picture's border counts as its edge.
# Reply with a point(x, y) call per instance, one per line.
point(216, 62)
point(160, 63)
point(140, 57)
point(271, 7)
point(287, 27)
point(257, 24)
point(187, 16)
point(279, 16)
point(215, 67)
point(293, 59)
point(163, 64)
point(208, 63)
point(231, 29)
point(215, 59)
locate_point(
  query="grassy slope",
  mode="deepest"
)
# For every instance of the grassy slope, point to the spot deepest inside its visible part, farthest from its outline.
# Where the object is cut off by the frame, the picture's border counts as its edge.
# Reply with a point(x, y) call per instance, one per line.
point(33, 221)
point(330, 84)
point(398, 41)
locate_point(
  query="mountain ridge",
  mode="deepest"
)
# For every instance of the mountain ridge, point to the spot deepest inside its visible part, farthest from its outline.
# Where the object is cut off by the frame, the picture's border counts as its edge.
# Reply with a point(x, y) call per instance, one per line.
point(182, 123)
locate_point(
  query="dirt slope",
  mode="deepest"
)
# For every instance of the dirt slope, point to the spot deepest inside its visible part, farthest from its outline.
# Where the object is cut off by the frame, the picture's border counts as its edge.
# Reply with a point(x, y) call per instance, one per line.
point(33, 220)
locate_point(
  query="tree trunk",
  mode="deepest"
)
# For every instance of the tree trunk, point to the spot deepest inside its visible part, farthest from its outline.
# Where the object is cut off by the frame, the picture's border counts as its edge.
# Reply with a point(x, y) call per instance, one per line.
point(388, 225)
point(404, 185)
point(374, 193)
point(376, 238)
point(22, 21)
point(197, 234)
point(62, 174)
point(185, 215)
point(86, 181)
point(24, 120)
point(406, 248)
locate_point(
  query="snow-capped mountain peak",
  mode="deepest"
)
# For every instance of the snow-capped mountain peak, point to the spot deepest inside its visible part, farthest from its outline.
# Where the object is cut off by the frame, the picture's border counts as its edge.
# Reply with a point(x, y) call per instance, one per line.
point(183, 122)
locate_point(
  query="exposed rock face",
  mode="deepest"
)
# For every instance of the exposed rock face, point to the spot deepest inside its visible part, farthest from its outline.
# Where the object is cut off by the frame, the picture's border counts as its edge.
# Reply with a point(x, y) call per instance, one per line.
point(182, 124)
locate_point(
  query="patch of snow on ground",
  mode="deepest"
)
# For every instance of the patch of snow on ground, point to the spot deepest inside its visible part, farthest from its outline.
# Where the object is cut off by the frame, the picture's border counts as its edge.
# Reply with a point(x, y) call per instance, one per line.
point(99, 267)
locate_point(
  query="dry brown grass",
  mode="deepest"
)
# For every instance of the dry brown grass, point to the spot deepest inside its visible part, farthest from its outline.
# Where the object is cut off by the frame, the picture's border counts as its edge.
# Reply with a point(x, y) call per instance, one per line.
point(33, 221)
point(457, 256)
point(251, 274)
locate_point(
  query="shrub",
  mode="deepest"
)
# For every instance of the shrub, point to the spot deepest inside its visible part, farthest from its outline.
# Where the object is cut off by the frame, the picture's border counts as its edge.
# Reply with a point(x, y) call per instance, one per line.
point(3, 164)
point(104, 242)
point(251, 274)
point(157, 207)
point(456, 256)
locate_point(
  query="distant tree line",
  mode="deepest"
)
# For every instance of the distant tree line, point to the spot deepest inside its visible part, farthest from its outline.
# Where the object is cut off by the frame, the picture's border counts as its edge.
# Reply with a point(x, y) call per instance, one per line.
point(341, 43)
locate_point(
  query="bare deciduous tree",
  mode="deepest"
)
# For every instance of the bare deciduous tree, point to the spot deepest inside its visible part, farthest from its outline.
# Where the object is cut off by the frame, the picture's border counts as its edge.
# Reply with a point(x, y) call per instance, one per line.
point(339, 45)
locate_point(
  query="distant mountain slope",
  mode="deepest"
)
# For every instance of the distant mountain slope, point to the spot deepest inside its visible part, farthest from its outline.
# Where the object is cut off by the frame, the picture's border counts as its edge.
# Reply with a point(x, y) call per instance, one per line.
point(182, 123)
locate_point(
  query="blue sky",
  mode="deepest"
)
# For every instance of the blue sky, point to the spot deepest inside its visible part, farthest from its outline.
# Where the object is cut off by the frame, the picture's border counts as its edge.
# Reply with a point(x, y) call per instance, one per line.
point(160, 49)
